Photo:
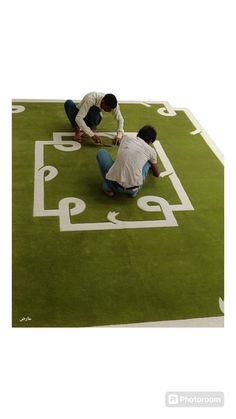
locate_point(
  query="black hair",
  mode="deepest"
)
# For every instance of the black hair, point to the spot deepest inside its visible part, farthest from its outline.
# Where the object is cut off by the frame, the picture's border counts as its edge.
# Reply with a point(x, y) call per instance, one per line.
point(110, 100)
point(147, 133)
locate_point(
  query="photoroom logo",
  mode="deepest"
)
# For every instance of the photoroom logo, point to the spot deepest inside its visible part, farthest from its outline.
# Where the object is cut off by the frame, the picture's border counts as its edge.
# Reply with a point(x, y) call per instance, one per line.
point(195, 399)
point(173, 399)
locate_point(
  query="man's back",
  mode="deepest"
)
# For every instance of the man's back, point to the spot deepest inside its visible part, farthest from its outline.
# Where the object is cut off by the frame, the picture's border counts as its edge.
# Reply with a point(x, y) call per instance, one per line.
point(92, 99)
point(133, 154)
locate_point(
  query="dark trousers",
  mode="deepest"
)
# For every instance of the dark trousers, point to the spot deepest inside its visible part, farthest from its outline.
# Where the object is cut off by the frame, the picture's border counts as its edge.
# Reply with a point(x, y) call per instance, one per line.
point(92, 119)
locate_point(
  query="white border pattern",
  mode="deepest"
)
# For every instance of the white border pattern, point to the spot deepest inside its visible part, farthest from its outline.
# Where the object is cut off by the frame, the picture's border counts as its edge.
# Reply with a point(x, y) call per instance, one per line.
point(44, 174)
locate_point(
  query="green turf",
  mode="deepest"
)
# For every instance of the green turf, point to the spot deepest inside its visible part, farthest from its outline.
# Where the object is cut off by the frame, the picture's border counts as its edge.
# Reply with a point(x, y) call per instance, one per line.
point(116, 276)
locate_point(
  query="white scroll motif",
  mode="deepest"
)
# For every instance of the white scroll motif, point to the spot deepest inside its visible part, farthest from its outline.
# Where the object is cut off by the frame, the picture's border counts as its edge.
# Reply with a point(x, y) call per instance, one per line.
point(142, 203)
point(18, 108)
point(167, 110)
point(196, 131)
point(61, 145)
point(65, 212)
point(221, 305)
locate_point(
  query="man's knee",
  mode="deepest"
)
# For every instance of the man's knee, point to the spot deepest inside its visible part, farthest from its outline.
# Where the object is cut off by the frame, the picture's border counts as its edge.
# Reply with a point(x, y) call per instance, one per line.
point(101, 154)
point(93, 117)
point(68, 103)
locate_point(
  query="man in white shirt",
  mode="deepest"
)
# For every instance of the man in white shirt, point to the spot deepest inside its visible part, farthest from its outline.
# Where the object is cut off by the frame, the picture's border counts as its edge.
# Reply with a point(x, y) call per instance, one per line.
point(134, 159)
point(88, 115)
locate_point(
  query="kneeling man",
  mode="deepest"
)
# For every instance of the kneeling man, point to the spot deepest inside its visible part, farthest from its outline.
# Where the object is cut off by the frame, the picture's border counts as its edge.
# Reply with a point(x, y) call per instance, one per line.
point(88, 115)
point(134, 159)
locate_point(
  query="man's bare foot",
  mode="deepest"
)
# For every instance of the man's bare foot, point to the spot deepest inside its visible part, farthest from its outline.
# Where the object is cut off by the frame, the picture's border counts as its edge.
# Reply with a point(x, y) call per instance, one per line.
point(109, 193)
point(77, 136)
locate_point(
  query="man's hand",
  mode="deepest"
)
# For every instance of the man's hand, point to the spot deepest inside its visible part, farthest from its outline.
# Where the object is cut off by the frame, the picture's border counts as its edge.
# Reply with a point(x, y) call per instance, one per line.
point(116, 141)
point(96, 139)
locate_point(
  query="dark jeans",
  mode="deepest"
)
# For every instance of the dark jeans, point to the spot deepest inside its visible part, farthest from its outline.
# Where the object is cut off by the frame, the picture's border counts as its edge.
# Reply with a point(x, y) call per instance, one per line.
point(92, 119)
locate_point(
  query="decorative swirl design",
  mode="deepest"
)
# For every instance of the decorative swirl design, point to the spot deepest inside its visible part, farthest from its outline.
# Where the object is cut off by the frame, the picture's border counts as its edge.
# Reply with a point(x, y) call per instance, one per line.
point(167, 110)
point(52, 172)
point(18, 108)
point(62, 145)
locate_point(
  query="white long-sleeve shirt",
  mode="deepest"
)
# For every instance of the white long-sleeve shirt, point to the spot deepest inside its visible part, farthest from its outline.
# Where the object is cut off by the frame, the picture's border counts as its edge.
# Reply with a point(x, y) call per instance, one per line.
point(94, 99)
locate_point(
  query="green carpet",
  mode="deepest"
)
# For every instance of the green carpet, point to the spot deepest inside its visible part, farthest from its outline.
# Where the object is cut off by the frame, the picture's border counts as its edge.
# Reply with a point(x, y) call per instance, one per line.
point(120, 276)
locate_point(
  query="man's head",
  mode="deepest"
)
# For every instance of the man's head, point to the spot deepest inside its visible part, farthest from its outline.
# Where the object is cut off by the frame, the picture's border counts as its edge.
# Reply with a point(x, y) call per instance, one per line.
point(109, 102)
point(148, 134)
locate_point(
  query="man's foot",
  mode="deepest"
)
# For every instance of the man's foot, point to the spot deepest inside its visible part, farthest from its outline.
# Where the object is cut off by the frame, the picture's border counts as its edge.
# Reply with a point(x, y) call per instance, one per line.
point(77, 136)
point(109, 193)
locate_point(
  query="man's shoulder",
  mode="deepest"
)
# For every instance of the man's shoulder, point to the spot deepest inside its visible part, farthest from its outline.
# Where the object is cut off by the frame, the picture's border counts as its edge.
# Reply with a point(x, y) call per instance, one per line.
point(129, 138)
point(93, 95)
point(147, 147)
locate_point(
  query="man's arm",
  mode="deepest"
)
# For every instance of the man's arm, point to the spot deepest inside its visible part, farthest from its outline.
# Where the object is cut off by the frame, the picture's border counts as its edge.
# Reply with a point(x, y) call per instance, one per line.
point(120, 125)
point(80, 118)
point(155, 170)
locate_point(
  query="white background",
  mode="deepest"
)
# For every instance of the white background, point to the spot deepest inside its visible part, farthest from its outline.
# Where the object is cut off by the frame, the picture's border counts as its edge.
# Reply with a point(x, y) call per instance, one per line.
point(180, 51)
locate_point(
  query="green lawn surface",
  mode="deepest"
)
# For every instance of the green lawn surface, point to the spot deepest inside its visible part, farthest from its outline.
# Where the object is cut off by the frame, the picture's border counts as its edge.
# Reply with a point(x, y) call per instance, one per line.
point(90, 278)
